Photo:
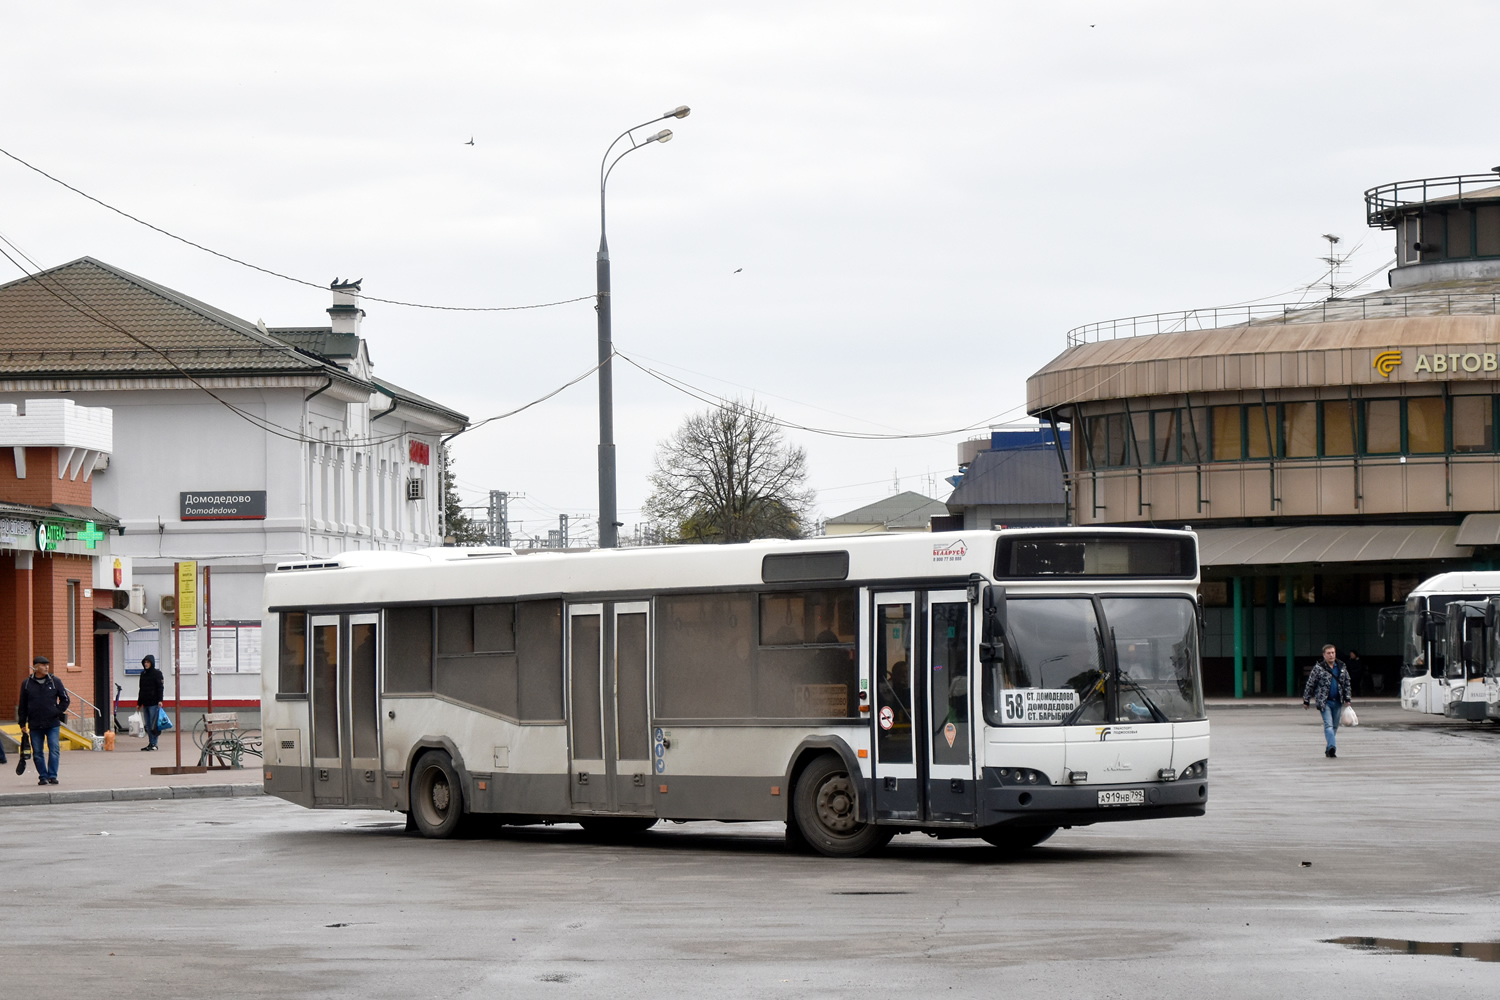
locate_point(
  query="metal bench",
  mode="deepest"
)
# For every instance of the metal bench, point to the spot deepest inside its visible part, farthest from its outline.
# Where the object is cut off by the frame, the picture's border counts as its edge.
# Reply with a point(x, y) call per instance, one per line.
point(222, 743)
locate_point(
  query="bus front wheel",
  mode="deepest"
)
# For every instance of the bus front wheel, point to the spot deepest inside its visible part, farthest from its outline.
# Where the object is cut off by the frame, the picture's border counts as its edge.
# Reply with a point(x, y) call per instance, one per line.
point(824, 807)
point(437, 796)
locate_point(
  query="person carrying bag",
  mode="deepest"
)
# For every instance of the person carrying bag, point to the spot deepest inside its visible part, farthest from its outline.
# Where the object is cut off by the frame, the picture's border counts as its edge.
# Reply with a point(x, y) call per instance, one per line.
point(1328, 686)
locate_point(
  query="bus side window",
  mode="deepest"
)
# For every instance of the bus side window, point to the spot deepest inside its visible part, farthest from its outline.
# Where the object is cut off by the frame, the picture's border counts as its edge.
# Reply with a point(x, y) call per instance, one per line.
point(292, 677)
point(408, 650)
point(539, 649)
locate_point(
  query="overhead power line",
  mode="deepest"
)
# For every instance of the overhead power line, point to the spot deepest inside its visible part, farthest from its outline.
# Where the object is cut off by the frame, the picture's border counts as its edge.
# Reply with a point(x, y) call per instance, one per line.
point(277, 274)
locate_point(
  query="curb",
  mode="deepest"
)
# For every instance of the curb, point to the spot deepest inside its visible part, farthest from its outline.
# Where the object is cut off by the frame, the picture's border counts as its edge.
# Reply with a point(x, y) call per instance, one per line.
point(61, 797)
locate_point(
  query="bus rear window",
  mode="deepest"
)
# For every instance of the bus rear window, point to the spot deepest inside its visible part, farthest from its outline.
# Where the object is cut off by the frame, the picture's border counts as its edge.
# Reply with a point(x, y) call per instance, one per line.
point(1029, 557)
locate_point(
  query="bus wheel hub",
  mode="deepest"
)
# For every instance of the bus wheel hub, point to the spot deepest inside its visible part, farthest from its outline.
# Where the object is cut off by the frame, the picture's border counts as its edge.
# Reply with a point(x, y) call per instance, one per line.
point(440, 796)
point(836, 805)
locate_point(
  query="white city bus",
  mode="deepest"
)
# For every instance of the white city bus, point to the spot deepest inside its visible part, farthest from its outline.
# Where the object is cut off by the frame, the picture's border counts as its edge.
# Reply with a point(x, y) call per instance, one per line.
point(1424, 680)
point(999, 684)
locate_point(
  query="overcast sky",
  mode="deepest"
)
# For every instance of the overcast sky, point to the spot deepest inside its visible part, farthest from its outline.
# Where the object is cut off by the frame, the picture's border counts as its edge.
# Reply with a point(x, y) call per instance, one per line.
point(923, 198)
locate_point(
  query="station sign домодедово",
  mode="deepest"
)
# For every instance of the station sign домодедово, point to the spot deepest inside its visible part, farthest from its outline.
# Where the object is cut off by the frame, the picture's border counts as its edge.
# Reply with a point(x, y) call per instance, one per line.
point(223, 505)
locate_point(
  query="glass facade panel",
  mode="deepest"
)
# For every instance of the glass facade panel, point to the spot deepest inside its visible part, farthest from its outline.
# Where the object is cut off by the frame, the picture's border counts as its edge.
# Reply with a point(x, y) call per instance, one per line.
point(1299, 430)
point(1226, 428)
point(1098, 432)
point(1165, 431)
point(1195, 438)
point(1473, 423)
point(1338, 427)
point(1382, 427)
point(1424, 425)
point(1140, 442)
point(1257, 432)
point(1119, 442)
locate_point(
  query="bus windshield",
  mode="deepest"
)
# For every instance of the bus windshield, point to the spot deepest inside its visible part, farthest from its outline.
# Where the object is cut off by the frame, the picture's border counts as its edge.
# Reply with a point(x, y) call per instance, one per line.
point(1054, 669)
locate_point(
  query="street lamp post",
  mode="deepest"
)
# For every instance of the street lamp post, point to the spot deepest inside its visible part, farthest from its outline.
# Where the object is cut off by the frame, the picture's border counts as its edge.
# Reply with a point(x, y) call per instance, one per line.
point(609, 535)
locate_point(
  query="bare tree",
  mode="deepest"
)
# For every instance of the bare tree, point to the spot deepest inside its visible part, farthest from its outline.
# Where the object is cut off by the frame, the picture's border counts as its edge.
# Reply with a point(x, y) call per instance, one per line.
point(726, 475)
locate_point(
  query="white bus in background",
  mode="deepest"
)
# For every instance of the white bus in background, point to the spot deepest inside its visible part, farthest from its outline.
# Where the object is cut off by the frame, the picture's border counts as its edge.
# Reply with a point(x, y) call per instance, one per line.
point(995, 684)
point(1424, 680)
point(1466, 654)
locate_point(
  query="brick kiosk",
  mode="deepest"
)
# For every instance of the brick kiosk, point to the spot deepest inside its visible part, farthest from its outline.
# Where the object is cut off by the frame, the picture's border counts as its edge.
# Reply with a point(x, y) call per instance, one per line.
point(52, 544)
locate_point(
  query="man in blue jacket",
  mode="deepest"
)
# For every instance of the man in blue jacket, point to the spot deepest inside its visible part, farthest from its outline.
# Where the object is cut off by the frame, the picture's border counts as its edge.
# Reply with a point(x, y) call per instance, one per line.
point(42, 707)
point(1328, 685)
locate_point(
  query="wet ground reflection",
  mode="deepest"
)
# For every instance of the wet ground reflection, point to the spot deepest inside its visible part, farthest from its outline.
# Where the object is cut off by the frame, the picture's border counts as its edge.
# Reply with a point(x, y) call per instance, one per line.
point(1483, 951)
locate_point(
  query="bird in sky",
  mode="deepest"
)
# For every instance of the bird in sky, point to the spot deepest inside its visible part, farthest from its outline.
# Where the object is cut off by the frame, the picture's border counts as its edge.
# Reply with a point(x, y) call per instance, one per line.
point(738, 270)
point(471, 138)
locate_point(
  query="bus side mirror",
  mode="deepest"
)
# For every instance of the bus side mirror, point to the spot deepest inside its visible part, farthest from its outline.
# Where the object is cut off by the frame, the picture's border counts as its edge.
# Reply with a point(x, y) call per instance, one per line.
point(1489, 616)
point(992, 624)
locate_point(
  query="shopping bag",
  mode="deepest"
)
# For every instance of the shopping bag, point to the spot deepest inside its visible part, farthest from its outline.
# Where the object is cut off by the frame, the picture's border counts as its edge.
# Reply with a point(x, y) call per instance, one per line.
point(1347, 716)
point(163, 721)
point(134, 723)
point(25, 753)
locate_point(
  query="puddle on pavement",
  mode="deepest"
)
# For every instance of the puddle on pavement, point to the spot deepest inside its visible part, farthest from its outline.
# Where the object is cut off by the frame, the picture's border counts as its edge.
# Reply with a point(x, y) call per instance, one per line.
point(1480, 951)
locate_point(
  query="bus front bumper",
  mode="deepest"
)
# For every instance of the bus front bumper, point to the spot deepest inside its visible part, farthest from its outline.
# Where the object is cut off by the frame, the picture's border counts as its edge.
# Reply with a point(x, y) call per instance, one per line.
point(1080, 805)
point(1471, 711)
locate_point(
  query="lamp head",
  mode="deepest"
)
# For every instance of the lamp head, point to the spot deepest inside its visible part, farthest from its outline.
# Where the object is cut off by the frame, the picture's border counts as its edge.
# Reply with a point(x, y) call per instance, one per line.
point(665, 135)
point(681, 111)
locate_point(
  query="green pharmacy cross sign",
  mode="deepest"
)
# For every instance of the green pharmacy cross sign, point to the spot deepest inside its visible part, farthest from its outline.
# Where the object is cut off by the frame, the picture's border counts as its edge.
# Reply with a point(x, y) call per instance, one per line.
point(49, 536)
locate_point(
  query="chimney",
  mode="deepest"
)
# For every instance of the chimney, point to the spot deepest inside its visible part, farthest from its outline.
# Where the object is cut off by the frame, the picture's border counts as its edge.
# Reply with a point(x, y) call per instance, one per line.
point(345, 311)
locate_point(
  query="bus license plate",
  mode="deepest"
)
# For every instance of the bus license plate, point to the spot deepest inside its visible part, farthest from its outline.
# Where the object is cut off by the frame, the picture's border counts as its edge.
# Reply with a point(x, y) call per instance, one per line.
point(1122, 797)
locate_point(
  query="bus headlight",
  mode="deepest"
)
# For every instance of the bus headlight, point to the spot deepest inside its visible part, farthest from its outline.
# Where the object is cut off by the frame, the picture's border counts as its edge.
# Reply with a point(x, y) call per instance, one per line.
point(1197, 769)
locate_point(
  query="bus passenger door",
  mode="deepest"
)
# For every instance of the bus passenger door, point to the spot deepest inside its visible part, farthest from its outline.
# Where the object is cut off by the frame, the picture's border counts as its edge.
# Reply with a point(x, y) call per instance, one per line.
point(587, 775)
point(949, 730)
point(346, 710)
point(631, 750)
point(327, 736)
point(362, 749)
point(898, 793)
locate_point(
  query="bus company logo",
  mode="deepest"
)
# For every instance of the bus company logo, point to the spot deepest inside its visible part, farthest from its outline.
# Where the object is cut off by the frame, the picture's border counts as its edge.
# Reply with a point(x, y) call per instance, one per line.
point(1387, 362)
point(1102, 732)
point(1105, 732)
point(949, 551)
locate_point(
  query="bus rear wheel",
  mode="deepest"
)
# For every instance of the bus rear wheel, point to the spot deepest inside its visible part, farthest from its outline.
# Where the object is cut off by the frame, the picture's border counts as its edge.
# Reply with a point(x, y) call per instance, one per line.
point(1017, 839)
point(437, 796)
point(824, 808)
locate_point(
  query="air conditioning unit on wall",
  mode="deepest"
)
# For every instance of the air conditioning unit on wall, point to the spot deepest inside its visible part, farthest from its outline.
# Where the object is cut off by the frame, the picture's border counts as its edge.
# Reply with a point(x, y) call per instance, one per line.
point(414, 489)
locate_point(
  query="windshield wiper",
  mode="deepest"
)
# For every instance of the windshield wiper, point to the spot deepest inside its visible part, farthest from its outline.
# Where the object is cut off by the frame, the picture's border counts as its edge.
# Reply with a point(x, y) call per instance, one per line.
point(1157, 715)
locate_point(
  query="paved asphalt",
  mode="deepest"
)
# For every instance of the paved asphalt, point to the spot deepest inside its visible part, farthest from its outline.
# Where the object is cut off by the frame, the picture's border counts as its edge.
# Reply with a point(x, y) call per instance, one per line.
point(252, 897)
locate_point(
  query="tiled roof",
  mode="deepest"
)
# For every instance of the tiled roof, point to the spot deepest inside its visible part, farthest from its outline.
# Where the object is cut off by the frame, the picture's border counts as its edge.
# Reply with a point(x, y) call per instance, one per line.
point(63, 322)
point(320, 340)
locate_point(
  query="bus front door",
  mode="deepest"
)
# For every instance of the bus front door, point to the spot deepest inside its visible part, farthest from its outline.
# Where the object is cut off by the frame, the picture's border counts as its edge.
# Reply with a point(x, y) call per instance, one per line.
point(898, 792)
point(924, 754)
point(344, 664)
point(949, 733)
point(608, 715)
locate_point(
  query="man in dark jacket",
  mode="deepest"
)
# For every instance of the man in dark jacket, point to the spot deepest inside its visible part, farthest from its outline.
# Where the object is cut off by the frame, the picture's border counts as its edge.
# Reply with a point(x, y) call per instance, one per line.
point(42, 707)
point(1329, 685)
point(153, 688)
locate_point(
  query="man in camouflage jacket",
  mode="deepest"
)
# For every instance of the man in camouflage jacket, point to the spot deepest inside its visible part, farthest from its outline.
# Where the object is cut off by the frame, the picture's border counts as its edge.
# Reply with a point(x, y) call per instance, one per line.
point(1330, 687)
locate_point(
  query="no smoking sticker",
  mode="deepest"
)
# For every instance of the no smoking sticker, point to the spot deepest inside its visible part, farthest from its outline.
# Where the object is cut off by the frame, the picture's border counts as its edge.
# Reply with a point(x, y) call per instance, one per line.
point(887, 717)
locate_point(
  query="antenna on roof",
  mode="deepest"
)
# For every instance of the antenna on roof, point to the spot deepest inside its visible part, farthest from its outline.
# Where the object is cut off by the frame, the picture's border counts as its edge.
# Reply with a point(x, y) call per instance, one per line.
point(1334, 262)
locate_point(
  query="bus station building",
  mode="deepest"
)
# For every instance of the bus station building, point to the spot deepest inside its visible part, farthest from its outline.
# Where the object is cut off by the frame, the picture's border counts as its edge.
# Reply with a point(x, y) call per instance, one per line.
point(1330, 456)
